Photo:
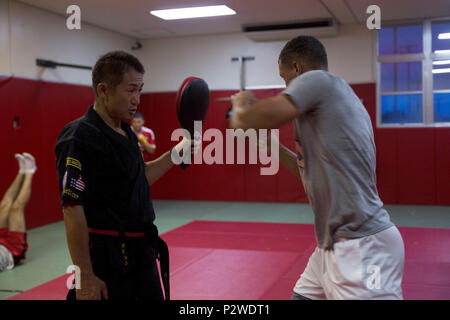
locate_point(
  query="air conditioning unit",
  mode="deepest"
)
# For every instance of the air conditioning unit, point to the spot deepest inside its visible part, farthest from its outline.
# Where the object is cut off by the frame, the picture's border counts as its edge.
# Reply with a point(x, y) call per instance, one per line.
point(287, 31)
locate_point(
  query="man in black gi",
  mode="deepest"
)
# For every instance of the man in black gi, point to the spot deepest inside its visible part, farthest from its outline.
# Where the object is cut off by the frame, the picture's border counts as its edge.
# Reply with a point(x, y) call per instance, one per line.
point(105, 191)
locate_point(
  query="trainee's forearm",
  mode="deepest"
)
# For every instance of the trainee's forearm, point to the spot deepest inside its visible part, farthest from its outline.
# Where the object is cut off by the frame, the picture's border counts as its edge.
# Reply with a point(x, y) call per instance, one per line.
point(78, 237)
point(289, 160)
point(268, 113)
point(251, 118)
point(157, 168)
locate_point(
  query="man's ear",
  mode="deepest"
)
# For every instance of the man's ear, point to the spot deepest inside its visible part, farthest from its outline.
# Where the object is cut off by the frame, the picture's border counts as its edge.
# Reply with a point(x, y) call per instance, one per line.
point(102, 90)
point(297, 67)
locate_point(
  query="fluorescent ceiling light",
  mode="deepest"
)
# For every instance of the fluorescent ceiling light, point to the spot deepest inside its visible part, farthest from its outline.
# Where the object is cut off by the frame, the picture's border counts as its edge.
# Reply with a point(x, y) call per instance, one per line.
point(446, 70)
point(442, 36)
point(441, 62)
point(195, 12)
point(442, 52)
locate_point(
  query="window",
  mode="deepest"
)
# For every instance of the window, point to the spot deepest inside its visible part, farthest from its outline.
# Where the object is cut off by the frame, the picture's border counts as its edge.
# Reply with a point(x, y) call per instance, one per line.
point(440, 35)
point(413, 66)
point(400, 40)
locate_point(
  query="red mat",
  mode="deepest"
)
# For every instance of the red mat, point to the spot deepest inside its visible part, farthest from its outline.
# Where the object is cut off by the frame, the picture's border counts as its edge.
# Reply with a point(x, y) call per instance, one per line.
point(253, 261)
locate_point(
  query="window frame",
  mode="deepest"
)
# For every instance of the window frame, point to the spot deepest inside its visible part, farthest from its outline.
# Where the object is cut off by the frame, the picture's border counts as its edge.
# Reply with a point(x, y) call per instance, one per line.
point(426, 58)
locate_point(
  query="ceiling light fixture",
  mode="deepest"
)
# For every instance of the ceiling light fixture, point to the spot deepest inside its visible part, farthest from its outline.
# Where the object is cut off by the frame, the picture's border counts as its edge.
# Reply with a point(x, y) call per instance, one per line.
point(194, 12)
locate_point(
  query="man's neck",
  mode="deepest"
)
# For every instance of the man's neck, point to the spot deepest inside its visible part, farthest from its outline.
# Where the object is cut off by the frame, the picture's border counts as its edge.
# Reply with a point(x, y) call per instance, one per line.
point(112, 122)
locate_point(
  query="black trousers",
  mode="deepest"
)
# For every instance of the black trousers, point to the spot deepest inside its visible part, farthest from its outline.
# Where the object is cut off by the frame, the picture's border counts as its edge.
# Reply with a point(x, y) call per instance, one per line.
point(138, 279)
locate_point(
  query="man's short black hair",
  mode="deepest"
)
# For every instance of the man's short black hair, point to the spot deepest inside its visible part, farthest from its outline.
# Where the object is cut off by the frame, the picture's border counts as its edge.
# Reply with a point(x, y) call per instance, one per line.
point(307, 49)
point(111, 67)
point(138, 115)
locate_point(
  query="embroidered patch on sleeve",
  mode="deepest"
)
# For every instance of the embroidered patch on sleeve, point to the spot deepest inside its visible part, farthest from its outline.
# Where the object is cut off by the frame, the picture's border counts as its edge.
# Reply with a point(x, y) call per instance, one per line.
point(77, 184)
point(73, 162)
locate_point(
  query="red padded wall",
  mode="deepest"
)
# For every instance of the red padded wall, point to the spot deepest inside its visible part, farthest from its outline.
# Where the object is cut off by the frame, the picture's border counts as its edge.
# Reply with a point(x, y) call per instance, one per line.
point(43, 108)
point(442, 165)
point(416, 166)
point(387, 162)
point(233, 182)
point(413, 164)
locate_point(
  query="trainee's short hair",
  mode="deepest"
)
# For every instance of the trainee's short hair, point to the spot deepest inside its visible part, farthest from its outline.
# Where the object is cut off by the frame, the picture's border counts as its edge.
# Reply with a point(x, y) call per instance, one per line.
point(307, 49)
point(138, 115)
point(111, 67)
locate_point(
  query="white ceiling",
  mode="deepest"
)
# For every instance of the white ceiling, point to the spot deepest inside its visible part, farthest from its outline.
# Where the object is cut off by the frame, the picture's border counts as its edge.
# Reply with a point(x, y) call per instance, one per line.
point(132, 18)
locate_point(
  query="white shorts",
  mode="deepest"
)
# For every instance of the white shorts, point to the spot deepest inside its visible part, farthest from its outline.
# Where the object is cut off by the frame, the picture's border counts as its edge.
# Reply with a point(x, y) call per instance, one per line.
point(365, 268)
point(6, 259)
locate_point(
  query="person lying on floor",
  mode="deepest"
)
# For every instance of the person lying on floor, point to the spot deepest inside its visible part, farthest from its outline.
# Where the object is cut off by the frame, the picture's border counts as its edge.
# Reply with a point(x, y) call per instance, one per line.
point(13, 236)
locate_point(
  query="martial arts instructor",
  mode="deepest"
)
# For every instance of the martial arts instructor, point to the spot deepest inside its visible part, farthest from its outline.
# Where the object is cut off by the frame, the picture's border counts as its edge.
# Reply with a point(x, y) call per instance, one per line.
point(105, 190)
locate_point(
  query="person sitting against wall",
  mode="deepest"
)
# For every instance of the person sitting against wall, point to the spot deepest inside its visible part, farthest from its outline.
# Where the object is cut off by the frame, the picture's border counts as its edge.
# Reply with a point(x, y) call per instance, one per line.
point(13, 236)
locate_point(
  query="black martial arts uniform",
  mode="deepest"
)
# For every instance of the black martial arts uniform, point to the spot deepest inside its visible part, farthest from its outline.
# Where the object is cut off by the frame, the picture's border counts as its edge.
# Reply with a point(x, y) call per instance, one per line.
point(104, 172)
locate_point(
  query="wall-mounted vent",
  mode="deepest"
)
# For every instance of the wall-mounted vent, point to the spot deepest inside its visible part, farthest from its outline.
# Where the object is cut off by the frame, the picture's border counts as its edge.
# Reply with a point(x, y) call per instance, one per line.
point(287, 31)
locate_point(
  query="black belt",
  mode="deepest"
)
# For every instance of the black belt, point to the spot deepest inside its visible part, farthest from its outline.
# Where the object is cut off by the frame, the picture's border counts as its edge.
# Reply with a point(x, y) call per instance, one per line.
point(162, 252)
point(163, 256)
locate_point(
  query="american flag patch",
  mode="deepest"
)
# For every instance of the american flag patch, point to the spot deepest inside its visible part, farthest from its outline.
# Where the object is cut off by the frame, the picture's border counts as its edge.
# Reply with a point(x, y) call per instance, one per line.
point(77, 184)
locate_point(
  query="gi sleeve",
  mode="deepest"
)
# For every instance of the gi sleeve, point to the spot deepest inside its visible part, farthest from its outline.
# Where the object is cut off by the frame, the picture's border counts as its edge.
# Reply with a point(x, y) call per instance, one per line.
point(72, 174)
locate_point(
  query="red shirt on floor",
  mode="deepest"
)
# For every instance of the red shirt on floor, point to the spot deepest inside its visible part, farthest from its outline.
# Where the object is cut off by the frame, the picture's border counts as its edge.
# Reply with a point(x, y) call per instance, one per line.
point(15, 242)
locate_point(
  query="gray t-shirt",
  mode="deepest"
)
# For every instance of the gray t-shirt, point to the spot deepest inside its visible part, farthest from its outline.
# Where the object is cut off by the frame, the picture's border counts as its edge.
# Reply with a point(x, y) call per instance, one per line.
point(336, 158)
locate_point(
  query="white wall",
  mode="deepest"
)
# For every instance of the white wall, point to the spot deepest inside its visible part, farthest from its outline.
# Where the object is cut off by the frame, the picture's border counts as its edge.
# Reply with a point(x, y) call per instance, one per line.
point(4, 38)
point(169, 61)
point(37, 33)
point(27, 33)
point(352, 54)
